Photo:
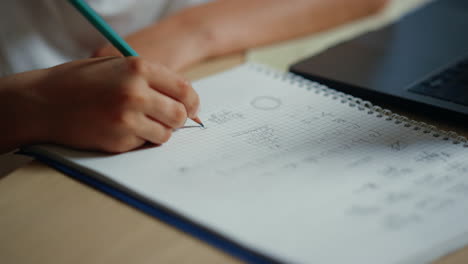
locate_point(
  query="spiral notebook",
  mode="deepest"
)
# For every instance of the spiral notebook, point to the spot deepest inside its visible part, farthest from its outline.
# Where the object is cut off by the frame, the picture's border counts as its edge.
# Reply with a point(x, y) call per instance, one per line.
point(288, 170)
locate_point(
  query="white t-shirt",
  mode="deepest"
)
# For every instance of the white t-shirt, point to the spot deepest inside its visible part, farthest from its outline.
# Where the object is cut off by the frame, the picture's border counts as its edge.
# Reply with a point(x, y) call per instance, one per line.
point(42, 33)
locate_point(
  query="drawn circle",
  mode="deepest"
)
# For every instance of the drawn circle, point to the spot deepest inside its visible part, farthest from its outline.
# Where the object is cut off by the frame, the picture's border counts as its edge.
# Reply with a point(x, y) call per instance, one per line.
point(266, 103)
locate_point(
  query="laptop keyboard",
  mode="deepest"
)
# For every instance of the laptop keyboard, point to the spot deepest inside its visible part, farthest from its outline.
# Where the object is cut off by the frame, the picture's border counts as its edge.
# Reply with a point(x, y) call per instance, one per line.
point(450, 85)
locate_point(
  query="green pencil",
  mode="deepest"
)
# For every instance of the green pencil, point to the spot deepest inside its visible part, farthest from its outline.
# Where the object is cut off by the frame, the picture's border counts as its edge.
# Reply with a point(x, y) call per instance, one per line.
point(101, 25)
point(106, 30)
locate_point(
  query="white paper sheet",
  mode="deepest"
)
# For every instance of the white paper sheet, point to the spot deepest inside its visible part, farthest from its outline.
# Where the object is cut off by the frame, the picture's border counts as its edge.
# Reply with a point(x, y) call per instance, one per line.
point(298, 174)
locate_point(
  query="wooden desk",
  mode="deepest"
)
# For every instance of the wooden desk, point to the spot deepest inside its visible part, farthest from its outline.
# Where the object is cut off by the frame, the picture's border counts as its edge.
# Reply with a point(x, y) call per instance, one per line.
point(46, 217)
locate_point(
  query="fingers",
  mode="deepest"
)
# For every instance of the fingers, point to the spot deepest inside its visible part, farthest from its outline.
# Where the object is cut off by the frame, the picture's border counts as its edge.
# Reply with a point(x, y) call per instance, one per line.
point(177, 88)
point(166, 110)
point(168, 83)
point(151, 101)
point(134, 131)
point(152, 131)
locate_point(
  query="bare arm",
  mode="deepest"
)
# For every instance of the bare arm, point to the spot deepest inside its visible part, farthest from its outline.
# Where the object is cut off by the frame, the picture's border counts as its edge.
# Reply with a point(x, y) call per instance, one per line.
point(107, 104)
point(233, 25)
point(227, 26)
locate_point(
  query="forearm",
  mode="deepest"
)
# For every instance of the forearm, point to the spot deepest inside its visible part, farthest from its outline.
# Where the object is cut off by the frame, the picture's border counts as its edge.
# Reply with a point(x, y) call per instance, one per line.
point(17, 117)
point(226, 26)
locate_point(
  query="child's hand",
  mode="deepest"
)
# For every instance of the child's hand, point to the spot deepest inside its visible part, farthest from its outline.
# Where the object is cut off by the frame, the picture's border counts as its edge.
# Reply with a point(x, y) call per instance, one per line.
point(110, 104)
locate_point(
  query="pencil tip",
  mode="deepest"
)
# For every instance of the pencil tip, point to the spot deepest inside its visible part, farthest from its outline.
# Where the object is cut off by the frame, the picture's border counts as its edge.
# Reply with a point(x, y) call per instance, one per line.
point(198, 121)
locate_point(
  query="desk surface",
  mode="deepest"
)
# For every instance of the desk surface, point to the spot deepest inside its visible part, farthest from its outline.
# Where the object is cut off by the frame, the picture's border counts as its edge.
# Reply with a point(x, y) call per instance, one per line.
point(46, 217)
point(49, 218)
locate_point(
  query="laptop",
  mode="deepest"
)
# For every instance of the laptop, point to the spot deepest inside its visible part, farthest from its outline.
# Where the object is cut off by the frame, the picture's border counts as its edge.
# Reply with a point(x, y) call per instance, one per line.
point(419, 62)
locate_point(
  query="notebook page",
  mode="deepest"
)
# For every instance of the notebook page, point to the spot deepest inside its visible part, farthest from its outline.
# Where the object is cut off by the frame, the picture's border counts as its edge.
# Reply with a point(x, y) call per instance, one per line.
point(296, 174)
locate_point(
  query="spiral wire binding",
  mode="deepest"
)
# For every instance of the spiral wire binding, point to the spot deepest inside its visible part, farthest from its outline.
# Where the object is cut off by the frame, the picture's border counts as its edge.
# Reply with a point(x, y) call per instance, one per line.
point(360, 104)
